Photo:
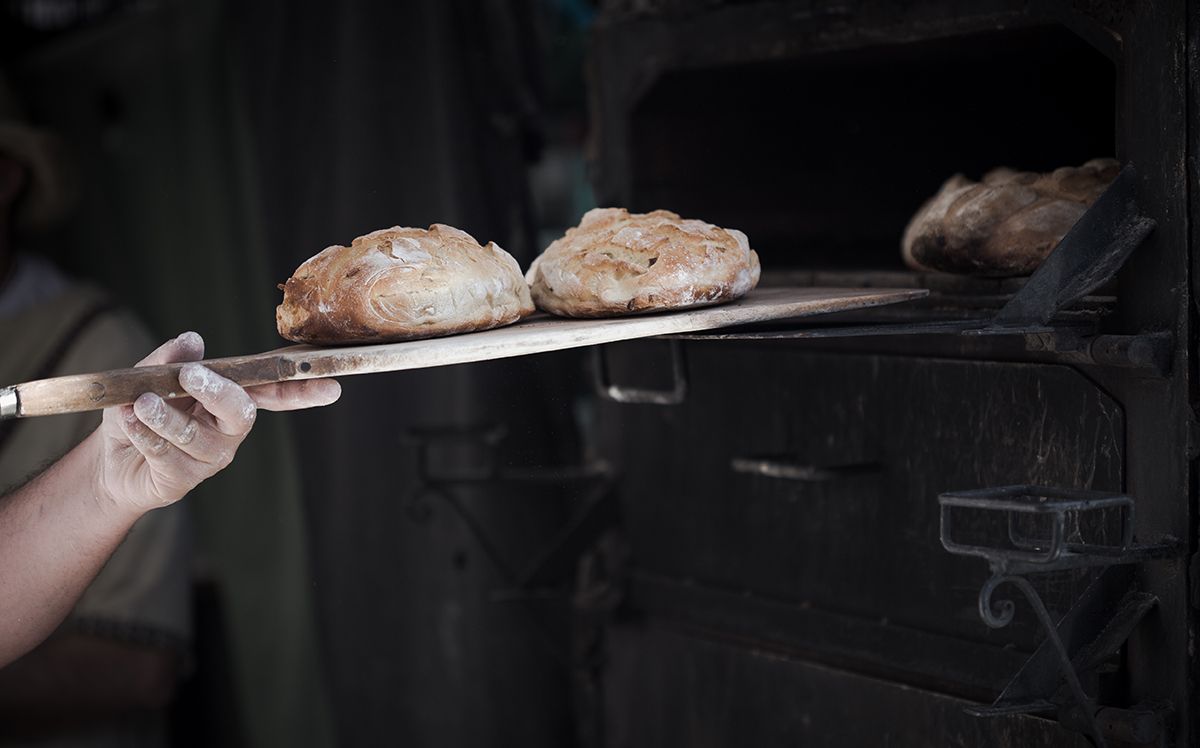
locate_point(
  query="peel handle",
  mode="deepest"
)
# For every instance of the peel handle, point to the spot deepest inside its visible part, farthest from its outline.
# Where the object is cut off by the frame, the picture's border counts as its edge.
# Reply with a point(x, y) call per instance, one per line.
point(82, 392)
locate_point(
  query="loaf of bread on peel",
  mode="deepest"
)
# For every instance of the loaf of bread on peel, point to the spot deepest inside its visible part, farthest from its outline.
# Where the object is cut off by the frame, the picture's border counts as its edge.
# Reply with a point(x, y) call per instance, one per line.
point(1004, 225)
point(401, 284)
point(616, 262)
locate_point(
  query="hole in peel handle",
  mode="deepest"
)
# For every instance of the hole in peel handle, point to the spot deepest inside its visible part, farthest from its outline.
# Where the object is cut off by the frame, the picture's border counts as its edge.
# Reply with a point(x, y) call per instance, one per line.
point(10, 403)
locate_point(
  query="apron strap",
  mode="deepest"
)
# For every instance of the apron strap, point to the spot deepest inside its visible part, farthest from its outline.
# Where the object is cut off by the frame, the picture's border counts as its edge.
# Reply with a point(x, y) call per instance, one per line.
point(54, 358)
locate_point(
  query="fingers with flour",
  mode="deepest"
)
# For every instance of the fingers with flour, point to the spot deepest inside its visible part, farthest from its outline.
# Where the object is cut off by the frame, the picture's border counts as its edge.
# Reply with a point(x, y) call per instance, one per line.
point(307, 393)
point(141, 436)
point(172, 472)
point(183, 430)
point(232, 408)
point(188, 346)
point(184, 446)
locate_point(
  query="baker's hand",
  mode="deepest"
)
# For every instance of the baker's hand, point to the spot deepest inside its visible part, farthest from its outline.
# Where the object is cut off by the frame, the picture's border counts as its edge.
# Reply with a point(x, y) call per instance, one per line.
point(154, 451)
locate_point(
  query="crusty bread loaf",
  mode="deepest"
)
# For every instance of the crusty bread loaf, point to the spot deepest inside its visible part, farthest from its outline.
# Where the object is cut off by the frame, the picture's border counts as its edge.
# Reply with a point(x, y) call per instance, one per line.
point(399, 284)
point(616, 262)
point(1005, 225)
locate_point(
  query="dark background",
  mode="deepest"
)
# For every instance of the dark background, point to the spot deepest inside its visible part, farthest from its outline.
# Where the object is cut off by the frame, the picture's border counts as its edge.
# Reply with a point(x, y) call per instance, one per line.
point(220, 144)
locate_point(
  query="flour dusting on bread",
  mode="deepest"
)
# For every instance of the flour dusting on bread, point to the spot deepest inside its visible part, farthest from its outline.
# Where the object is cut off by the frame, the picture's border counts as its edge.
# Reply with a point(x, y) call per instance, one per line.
point(616, 262)
point(1004, 225)
point(401, 284)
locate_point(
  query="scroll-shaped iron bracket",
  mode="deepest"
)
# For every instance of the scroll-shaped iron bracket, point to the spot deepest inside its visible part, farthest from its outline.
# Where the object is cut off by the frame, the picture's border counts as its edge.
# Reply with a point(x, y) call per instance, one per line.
point(1050, 529)
point(1089, 256)
point(636, 395)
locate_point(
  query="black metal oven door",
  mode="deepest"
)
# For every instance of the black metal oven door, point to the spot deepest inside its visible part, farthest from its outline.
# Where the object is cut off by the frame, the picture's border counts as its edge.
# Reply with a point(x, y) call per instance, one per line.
point(787, 579)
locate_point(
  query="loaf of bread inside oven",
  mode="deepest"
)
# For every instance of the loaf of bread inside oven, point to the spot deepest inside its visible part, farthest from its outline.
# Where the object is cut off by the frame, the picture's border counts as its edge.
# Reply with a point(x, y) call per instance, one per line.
point(1004, 225)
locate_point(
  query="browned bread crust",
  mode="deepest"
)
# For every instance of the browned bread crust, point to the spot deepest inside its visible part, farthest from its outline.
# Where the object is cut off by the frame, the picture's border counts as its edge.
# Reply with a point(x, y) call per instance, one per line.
point(401, 284)
point(1005, 225)
point(616, 262)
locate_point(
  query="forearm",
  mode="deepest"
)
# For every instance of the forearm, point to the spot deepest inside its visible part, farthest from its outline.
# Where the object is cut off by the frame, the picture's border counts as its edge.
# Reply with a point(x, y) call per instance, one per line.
point(56, 532)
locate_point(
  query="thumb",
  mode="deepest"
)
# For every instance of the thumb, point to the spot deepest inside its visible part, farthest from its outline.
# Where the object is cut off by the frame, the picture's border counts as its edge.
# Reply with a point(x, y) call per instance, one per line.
point(188, 346)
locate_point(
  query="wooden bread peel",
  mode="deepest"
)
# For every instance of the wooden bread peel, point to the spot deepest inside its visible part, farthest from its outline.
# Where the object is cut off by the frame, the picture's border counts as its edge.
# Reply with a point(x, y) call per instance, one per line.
point(537, 334)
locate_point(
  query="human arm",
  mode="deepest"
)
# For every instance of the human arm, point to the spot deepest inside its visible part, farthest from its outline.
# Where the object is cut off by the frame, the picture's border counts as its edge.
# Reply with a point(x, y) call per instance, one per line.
point(58, 530)
point(123, 648)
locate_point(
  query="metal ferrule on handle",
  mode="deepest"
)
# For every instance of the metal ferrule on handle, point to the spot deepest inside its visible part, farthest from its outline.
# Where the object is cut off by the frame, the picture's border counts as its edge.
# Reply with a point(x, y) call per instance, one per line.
point(10, 403)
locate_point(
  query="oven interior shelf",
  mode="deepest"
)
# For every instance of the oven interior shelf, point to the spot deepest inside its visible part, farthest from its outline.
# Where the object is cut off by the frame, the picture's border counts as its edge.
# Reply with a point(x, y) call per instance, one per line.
point(1055, 311)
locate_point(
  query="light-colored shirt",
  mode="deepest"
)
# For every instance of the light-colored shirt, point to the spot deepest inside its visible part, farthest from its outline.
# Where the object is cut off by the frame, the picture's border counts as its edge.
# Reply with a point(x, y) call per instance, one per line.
point(142, 595)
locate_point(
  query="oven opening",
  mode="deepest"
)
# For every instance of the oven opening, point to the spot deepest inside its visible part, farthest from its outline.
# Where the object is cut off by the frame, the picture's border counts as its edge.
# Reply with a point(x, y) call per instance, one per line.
point(822, 161)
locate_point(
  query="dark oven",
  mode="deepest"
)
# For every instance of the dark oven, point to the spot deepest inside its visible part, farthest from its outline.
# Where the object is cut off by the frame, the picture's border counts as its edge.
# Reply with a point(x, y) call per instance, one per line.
point(967, 521)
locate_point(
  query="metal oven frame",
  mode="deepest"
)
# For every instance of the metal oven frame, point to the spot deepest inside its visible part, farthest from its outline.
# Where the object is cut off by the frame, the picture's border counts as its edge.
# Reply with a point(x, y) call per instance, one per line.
point(1140, 354)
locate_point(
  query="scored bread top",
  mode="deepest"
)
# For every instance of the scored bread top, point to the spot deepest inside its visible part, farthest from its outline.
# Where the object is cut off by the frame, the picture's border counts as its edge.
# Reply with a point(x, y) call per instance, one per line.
point(1005, 224)
point(402, 283)
point(616, 262)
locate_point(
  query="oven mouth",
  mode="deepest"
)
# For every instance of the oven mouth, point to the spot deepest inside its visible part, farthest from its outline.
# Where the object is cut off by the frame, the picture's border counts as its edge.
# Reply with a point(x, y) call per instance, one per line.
point(823, 179)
